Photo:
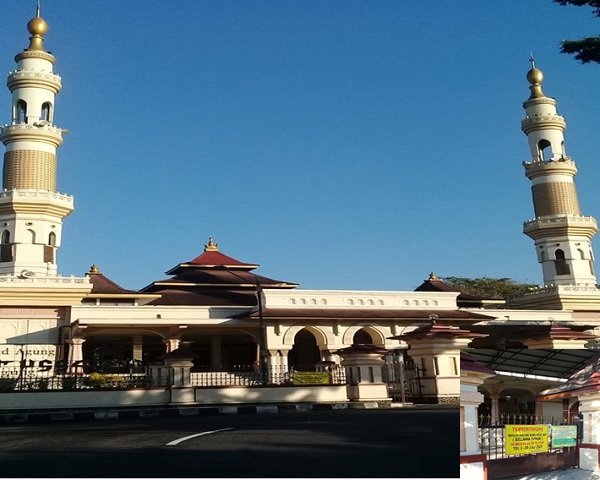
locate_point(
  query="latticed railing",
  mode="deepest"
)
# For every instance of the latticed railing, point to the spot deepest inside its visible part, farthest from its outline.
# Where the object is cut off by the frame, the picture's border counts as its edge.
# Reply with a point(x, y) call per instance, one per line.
point(28, 381)
point(520, 419)
point(249, 376)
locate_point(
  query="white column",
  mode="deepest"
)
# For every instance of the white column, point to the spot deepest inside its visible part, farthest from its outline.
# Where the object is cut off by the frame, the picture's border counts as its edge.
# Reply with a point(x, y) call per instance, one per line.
point(272, 366)
point(137, 347)
point(75, 355)
point(589, 451)
point(472, 462)
point(172, 344)
point(495, 411)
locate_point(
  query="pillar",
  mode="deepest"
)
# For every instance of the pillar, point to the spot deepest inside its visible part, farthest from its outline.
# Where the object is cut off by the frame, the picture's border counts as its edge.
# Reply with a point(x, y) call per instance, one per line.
point(273, 367)
point(172, 344)
point(137, 347)
point(75, 362)
point(363, 365)
point(472, 461)
point(589, 449)
point(437, 359)
point(495, 407)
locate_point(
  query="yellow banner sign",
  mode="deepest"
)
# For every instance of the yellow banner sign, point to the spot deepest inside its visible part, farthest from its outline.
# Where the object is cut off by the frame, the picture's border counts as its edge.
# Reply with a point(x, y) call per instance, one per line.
point(524, 439)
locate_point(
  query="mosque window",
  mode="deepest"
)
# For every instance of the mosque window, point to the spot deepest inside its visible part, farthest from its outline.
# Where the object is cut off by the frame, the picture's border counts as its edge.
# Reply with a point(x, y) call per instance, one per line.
point(581, 254)
point(52, 239)
point(560, 263)
point(5, 247)
point(31, 235)
point(48, 254)
point(544, 150)
point(21, 112)
point(45, 114)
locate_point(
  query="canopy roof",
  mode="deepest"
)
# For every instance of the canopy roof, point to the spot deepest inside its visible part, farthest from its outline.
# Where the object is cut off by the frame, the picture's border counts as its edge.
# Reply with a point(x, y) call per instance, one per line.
point(550, 363)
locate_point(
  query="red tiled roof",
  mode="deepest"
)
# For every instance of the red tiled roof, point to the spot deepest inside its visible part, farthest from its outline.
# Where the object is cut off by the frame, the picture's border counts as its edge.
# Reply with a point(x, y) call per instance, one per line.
point(103, 285)
point(216, 258)
point(208, 297)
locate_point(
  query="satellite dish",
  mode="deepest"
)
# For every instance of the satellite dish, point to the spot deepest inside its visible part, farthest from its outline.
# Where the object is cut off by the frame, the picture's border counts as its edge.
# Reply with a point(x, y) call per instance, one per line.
point(27, 273)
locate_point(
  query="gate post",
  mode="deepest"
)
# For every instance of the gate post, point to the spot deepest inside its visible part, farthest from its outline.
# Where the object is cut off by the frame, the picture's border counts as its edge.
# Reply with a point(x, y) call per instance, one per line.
point(472, 461)
point(589, 406)
point(179, 362)
point(435, 349)
point(363, 365)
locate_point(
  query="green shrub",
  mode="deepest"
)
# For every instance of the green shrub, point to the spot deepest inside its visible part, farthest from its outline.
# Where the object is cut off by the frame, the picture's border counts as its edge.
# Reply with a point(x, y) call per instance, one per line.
point(102, 380)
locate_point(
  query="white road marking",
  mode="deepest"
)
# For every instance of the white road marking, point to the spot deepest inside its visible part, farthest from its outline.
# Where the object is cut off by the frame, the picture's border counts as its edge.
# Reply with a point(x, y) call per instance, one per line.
point(183, 439)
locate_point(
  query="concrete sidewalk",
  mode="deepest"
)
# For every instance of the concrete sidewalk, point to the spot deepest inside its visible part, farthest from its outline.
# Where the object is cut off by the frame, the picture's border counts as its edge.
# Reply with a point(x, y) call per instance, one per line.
point(569, 474)
point(116, 413)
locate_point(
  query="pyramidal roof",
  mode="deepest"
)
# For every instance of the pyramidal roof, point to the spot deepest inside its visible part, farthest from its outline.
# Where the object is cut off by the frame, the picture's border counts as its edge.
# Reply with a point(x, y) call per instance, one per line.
point(212, 278)
point(212, 258)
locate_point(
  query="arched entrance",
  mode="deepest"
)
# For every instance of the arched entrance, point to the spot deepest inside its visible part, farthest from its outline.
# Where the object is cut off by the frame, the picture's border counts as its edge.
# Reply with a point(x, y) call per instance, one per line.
point(305, 353)
point(362, 337)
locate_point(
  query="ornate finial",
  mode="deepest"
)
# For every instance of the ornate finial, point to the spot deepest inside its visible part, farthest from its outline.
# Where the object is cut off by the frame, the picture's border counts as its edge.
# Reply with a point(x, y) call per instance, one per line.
point(432, 276)
point(532, 59)
point(94, 269)
point(535, 77)
point(37, 27)
point(211, 246)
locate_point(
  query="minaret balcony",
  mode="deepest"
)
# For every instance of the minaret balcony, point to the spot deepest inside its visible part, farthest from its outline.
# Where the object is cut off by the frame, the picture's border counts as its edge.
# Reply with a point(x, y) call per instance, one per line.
point(539, 122)
point(33, 79)
point(551, 225)
point(36, 201)
point(560, 166)
point(26, 132)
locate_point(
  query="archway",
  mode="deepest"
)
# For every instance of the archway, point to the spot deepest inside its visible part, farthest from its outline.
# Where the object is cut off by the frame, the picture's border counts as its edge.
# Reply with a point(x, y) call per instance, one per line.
point(305, 353)
point(362, 337)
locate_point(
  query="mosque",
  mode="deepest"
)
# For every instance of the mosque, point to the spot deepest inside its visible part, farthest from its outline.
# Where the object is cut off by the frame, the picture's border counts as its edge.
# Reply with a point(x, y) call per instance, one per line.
point(226, 314)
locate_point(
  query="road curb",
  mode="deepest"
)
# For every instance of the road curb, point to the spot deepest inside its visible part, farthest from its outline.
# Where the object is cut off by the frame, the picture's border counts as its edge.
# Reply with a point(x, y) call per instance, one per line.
point(129, 413)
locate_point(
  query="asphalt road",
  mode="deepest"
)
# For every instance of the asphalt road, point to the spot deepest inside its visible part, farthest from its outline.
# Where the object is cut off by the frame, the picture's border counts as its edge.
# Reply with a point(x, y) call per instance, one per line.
point(344, 443)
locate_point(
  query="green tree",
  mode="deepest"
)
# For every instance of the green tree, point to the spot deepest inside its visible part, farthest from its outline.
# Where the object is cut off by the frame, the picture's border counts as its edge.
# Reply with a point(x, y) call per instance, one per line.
point(585, 49)
point(490, 287)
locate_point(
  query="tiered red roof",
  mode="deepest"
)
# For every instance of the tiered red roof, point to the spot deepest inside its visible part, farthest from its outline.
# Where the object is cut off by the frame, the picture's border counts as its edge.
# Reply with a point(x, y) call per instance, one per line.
point(212, 278)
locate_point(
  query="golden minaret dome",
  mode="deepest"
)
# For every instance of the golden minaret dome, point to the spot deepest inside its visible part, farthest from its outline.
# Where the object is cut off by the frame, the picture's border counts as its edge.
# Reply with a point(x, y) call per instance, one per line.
point(37, 26)
point(535, 76)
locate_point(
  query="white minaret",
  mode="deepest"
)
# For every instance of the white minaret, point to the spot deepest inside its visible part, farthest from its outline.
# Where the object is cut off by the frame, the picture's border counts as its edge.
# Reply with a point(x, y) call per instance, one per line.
point(563, 237)
point(31, 209)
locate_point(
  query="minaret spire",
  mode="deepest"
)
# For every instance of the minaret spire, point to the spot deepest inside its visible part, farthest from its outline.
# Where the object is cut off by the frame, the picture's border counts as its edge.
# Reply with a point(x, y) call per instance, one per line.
point(31, 209)
point(563, 237)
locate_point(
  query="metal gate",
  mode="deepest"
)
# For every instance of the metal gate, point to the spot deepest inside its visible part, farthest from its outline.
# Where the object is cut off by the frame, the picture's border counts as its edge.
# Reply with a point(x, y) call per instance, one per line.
point(502, 464)
point(402, 377)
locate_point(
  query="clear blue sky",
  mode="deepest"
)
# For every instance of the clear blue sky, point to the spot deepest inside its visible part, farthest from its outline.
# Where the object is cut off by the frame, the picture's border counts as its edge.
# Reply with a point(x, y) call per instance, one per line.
point(340, 144)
